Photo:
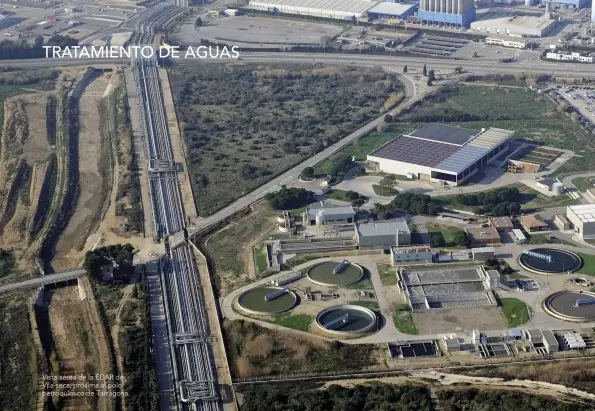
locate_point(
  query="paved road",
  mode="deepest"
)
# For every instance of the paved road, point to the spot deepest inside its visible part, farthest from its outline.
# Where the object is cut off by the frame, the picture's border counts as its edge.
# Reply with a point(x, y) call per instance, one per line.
point(48, 279)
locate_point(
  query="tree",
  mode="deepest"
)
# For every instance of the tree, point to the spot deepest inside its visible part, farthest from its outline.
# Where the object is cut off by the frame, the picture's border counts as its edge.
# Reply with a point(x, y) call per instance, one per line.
point(405, 68)
point(424, 71)
point(458, 70)
point(198, 22)
point(460, 238)
point(431, 76)
point(307, 173)
point(388, 118)
point(429, 82)
point(437, 240)
point(352, 195)
point(357, 203)
point(475, 55)
point(353, 19)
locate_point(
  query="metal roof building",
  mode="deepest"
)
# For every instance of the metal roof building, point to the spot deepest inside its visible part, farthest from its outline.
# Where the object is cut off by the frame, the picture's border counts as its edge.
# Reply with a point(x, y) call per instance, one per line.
point(582, 218)
point(321, 214)
point(333, 9)
point(441, 153)
point(398, 10)
point(382, 234)
point(513, 24)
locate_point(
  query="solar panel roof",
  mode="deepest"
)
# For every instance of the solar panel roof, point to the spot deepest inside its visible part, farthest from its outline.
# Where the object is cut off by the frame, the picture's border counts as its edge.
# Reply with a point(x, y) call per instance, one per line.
point(463, 158)
point(411, 150)
point(445, 134)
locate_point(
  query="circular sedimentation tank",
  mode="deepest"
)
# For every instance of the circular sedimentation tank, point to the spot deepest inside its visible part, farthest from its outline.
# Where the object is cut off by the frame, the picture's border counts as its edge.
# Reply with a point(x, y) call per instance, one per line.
point(253, 300)
point(562, 305)
point(322, 274)
point(359, 320)
point(562, 261)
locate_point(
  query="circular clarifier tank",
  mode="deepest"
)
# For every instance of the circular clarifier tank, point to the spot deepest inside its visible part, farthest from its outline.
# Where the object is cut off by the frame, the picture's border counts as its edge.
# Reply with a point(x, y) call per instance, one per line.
point(346, 319)
point(550, 261)
point(577, 306)
point(348, 273)
point(255, 300)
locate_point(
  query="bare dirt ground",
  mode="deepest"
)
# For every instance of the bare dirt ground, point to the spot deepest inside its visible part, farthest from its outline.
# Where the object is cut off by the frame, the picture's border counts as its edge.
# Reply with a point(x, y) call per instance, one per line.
point(23, 139)
point(91, 197)
point(73, 337)
point(459, 319)
point(178, 146)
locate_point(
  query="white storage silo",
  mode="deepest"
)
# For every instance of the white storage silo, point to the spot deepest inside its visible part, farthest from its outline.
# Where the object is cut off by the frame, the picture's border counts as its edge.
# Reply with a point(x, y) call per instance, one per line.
point(320, 217)
point(558, 188)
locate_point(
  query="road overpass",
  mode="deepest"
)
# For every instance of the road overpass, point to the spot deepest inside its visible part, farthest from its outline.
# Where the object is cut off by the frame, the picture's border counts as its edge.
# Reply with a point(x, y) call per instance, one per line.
point(45, 280)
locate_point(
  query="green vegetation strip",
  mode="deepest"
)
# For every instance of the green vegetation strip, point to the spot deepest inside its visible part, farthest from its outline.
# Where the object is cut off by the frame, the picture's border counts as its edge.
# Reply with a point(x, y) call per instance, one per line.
point(588, 264)
point(300, 322)
point(403, 320)
point(582, 183)
point(384, 191)
point(369, 304)
point(387, 273)
point(515, 311)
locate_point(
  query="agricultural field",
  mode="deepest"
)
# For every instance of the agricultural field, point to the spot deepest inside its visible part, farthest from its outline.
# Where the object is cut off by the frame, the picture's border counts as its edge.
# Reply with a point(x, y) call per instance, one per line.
point(236, 135)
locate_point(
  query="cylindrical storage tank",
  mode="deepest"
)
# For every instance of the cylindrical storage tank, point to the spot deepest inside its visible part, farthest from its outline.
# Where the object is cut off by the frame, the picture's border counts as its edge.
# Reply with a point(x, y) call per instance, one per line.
point(320, 218)
point(558, 188)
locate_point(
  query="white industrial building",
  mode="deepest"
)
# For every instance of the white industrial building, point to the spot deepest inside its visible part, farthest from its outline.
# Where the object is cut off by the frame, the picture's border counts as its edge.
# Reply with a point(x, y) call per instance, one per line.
point(516, 44)
point(441, 153)
point(582, 218)
point(382, 234)
point(513, 25)
point(332, 9)
point(322, 214)
point(416, 253)
point(572, 56)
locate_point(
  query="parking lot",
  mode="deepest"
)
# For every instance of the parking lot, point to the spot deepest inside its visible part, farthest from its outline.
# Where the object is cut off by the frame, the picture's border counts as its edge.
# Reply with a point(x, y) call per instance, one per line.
point(258, 31)
point(582, 99)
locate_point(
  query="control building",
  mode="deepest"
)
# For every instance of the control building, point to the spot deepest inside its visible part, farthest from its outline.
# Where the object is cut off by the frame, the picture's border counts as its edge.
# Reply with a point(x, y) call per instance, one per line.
point(455, 13)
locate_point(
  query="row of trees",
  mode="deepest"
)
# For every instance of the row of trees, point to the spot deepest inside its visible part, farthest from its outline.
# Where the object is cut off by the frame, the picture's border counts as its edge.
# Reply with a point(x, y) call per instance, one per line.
point(21, 49)
point(361, 397)
point(409, 202)
point(499, 202)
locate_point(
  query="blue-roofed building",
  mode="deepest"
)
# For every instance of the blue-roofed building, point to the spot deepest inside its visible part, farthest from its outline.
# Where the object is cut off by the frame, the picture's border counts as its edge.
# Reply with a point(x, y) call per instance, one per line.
point(441, 153)
point(391, 9)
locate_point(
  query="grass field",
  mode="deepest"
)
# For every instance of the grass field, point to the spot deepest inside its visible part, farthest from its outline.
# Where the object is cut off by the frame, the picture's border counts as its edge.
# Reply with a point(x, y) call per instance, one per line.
point(588, 264)
point(260, 258)
point(300, 322)
point(582, 183)
point(387, 273)
point(341, 195)
point(267, 119)
point(385, 191)
point(369, 304)
point(404, 322)
point(515, 311)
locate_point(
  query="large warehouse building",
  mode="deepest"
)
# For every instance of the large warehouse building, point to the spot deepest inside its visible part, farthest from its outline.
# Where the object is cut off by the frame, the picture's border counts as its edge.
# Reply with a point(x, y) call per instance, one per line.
point(513, 25)
point(582, 218)
point(441, 153)
point(456, 13)
point(332, 9)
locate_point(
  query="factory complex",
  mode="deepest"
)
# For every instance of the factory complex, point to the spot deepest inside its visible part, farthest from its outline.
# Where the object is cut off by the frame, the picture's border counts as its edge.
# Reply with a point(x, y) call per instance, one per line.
point(441, 153)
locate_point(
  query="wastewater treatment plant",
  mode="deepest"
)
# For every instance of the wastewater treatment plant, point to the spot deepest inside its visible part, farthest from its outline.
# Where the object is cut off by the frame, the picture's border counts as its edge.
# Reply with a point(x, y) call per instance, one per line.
point(550, 261)
point(267, 300)
point(335, 273)
point(346, 320)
